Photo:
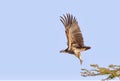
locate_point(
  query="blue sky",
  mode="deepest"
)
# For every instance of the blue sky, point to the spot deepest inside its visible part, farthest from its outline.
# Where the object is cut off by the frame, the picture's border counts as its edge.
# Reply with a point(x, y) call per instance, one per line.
point(31, 36)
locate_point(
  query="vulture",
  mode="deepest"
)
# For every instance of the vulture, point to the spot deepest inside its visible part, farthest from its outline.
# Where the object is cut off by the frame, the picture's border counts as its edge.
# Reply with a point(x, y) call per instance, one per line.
point(75, 41)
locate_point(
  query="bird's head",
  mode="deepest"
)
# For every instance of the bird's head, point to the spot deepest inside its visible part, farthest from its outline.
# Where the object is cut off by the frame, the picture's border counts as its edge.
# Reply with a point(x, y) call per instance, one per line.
point(63, 51)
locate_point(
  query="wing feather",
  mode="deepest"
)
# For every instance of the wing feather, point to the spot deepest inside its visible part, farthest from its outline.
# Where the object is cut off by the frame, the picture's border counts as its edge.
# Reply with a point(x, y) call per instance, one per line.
point(72, 30)
point(62, 20)
point(76, 33)
point(66, 22)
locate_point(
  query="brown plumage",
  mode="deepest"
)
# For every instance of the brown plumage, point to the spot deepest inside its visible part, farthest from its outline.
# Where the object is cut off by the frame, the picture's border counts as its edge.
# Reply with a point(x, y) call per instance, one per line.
point(74, 36)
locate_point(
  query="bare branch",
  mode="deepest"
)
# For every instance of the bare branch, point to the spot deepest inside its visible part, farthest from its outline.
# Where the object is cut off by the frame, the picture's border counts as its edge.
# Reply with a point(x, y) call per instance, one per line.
point(112, 71)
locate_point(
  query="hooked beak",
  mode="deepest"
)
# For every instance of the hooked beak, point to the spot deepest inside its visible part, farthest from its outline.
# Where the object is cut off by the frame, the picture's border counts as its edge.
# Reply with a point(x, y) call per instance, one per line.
point(62, 51)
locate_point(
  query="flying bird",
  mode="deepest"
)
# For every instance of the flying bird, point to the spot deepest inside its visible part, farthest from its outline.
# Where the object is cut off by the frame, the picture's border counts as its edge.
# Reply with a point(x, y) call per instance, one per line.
point(75, 41)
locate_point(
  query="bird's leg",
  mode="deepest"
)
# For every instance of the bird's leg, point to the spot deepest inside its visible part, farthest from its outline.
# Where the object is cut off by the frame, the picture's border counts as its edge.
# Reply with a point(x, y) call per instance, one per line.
point(81, 60)
point(79, 57)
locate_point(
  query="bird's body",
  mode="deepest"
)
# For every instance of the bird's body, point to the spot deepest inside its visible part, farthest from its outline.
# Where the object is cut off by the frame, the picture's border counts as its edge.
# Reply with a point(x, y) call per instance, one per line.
point(74, 36)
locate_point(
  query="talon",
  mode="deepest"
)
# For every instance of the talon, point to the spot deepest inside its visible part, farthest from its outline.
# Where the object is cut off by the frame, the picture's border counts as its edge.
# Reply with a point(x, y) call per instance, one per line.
point(81, 61)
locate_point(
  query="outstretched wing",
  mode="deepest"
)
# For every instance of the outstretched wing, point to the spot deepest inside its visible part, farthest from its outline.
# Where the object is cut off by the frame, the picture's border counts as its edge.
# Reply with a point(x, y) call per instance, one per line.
point(73, 33)
point(67, 21)
point(76, 33)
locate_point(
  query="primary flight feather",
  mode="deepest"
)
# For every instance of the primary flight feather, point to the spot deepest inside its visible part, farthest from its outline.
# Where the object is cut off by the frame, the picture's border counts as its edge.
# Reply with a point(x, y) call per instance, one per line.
point(74, 36)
